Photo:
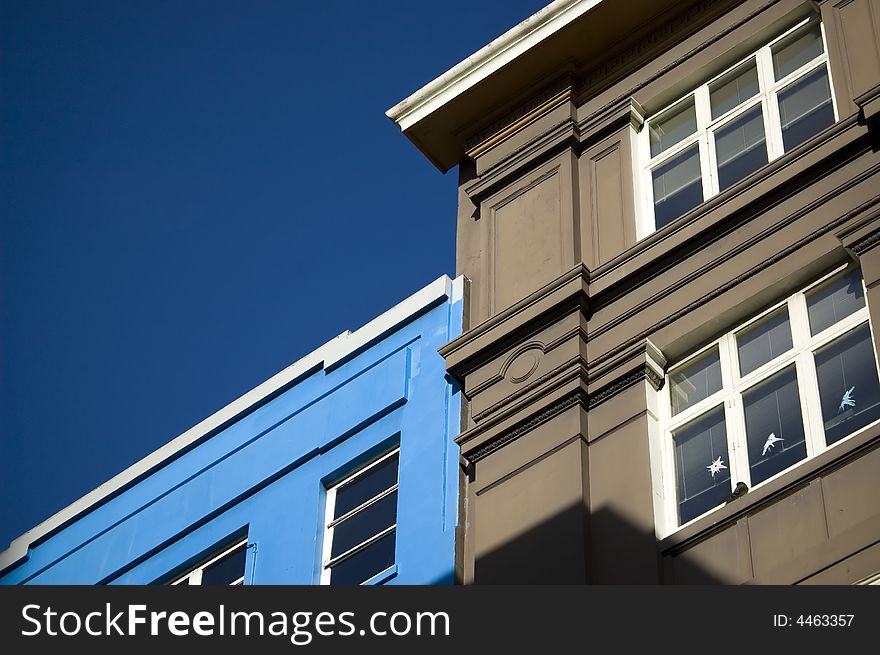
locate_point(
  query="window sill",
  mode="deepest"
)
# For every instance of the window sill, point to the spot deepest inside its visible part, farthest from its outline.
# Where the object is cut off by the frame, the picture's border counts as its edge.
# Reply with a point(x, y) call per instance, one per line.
point(773, 490)
point(382, 577)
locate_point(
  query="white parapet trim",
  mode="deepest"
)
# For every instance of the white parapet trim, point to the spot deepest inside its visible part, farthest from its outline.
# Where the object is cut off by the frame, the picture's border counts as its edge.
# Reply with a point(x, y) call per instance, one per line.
point(487, 61)
point(335, 351)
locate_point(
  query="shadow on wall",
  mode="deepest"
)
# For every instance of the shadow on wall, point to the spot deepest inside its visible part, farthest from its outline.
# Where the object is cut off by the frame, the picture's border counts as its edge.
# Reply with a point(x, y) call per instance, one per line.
point(574, 547)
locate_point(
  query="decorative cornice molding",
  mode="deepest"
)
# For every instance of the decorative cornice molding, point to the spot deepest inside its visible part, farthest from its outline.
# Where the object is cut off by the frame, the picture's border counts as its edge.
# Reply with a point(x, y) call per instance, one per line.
point(866, 243)
point(608, 71)
point(611, 68)
point(578, 398)
point(645, 372)
point(549, 98)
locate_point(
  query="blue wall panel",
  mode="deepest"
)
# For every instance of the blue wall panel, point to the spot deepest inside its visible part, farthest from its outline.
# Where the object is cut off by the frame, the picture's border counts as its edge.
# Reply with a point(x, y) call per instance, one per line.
point(265, 476)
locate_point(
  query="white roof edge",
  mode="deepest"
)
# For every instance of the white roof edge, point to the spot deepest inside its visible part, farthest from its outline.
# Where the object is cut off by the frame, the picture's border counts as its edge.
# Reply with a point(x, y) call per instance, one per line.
point(332, 352)
point(486, 61)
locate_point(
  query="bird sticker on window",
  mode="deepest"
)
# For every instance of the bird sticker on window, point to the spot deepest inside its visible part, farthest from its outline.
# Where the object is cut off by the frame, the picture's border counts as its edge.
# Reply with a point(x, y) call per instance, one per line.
point(771, 441)
point(716, 466)
point(847, 400)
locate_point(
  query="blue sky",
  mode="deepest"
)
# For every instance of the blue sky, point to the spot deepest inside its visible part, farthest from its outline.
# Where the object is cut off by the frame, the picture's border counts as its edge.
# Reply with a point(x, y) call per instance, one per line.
point(193, 195)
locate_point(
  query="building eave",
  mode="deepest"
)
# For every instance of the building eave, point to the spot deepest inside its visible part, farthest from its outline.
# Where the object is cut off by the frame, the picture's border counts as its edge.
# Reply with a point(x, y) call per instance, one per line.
point(489, 59)
point(553, 46)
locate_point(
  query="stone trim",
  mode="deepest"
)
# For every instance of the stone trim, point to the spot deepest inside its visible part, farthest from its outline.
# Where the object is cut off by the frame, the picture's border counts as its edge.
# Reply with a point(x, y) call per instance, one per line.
point(511, 435)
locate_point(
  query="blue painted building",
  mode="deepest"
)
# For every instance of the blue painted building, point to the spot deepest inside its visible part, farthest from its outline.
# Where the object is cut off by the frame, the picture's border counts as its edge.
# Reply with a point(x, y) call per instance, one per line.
point(340, 469)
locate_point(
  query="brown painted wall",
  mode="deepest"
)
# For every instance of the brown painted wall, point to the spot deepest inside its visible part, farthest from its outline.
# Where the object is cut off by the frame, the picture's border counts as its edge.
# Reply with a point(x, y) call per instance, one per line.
point(573, 321)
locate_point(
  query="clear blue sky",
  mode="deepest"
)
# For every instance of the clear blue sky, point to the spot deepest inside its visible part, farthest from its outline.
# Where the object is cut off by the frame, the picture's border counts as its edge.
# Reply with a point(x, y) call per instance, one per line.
point(193, 195)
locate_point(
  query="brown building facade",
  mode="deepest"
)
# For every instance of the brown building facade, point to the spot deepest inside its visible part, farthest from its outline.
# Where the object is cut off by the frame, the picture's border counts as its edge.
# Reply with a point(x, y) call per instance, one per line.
point(669, 215)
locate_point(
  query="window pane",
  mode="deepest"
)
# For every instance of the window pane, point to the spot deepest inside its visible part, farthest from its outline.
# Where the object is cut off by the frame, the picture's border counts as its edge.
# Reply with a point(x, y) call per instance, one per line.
point(678, 186)
point(697, 380)
point(848, 386)
point(793, 52)
point(364, 524)
point(805, 108)
point(226, 570)
point(835, 301)
point(763, 341)
point(366, 563)
point(676, 124)
point(734, 88)
point(774, 425)
point(740, 147)
point(701, 465)
point(366, 486)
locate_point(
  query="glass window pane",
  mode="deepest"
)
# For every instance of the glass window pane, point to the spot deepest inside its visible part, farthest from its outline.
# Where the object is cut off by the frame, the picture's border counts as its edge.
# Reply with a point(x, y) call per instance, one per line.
point(740, 147)
point(701, 465)
point(774, 425)
point(763, 341)
point(796, 50)
point(366, 563)
point(364, 524)
point(848, 386)
point(678, 186)
point(805, 108)
point(697, 380)
point(366, 486)
point(734, 88)
point(676, 124)
point(835, 300)
point(226, 570)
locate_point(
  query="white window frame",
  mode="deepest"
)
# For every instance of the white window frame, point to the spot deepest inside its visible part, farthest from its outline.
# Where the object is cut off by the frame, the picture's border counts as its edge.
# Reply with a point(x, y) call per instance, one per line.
point(804, 345)
point(768, 90)
point(330, 523)
point(194, 577)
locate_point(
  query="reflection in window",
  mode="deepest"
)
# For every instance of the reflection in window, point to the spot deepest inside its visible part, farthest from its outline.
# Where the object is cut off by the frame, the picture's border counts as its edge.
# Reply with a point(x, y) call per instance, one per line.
point(774, 425)
point(695, 381)
point(834, 301)
point(701, 465)
point(763, 341)
point(796, 50)
point(848, 386)
point(740, 147)
point(734, 89)
point(805, 108)
point(675, 125)
point(678, 186)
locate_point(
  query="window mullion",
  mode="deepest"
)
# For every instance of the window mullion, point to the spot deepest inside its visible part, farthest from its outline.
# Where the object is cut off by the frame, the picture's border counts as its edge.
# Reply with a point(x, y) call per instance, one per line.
point(773, 124)
point(811, 403)
point(703, 111)
point(828, 70)
point(739, 461)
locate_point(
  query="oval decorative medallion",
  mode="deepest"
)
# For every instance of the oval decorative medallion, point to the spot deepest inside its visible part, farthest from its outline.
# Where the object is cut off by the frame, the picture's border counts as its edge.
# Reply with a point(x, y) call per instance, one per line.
point(523, 364)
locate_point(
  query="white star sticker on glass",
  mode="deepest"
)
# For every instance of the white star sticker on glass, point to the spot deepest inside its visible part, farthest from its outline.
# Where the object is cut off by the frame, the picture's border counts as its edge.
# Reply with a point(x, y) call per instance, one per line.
point(847, 400)
point(716, 466)
point(771, 441)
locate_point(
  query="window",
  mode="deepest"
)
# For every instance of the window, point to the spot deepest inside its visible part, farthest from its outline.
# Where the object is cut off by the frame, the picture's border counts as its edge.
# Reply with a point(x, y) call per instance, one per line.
point(765, 105)
point(774, 392)
point(223, 568)
point(361, 523)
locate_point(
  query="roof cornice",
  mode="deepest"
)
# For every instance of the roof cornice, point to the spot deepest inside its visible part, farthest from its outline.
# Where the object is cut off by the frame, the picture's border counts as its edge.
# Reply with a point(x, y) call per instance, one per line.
point(487, 60)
